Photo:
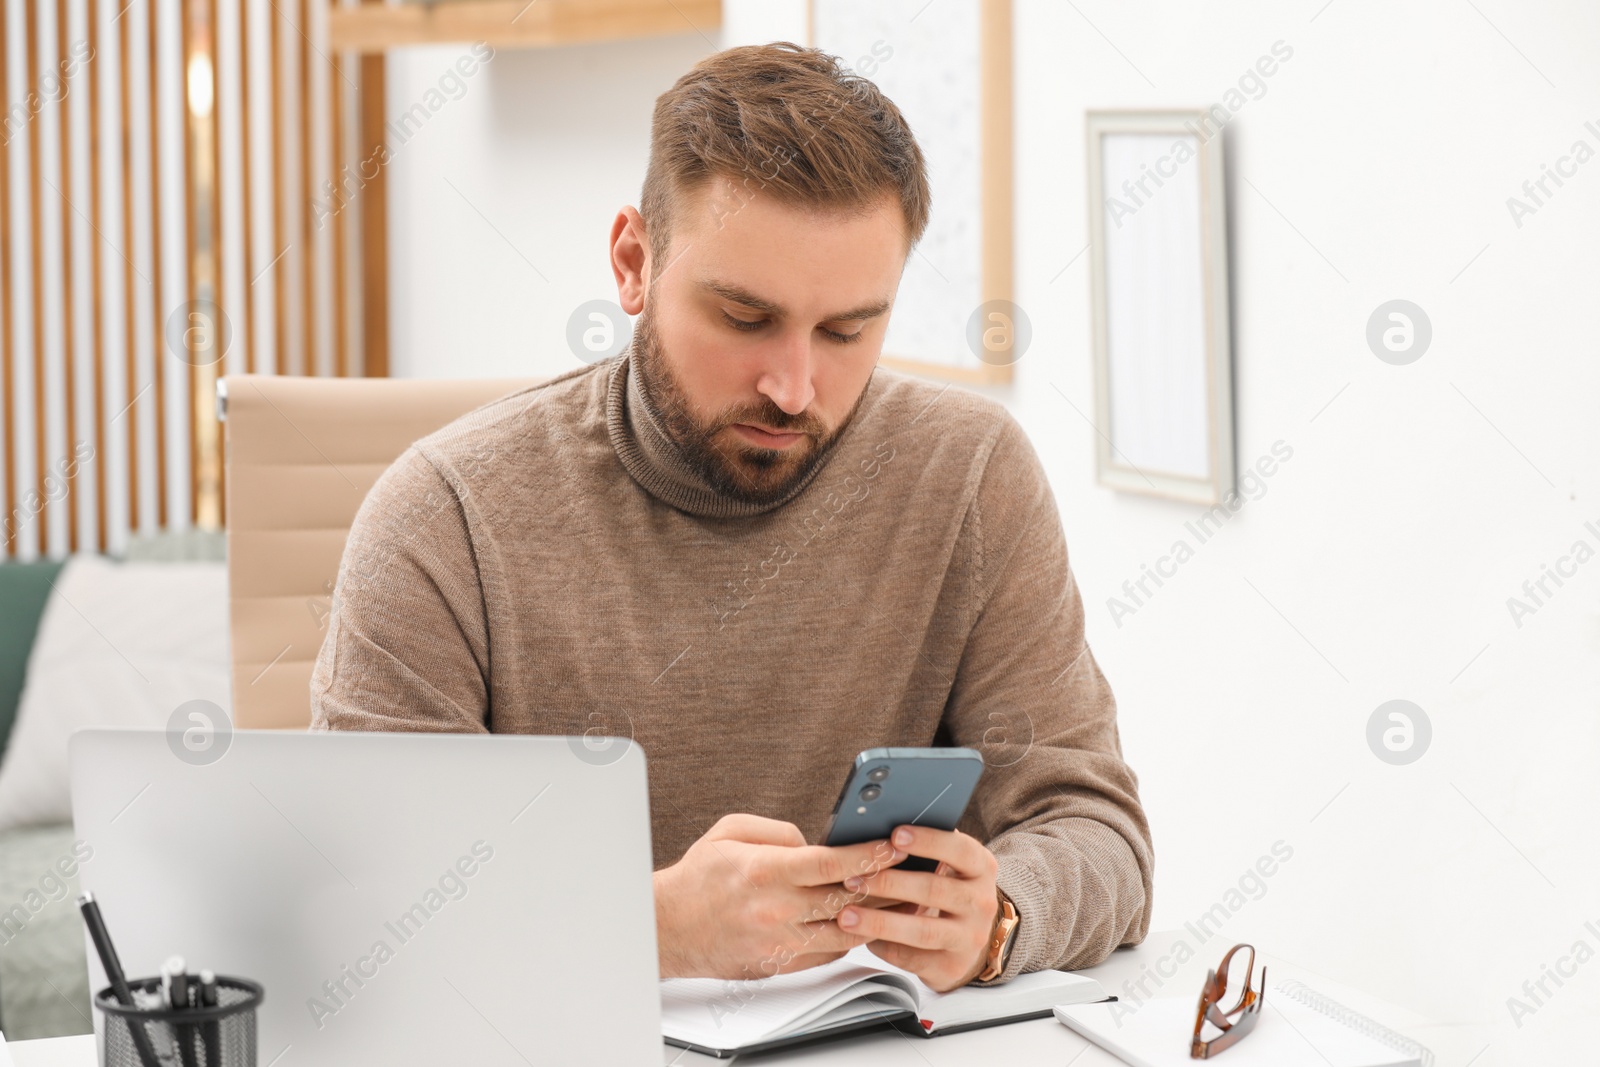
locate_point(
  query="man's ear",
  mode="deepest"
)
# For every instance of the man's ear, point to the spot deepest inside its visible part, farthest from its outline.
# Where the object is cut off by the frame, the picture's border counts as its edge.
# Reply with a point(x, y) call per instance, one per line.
point(630, 259)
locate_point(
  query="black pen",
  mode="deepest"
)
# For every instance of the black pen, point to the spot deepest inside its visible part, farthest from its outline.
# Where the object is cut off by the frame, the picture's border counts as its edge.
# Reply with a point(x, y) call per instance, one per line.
point(175, 985)
point(212, 1031)
point(119, 982)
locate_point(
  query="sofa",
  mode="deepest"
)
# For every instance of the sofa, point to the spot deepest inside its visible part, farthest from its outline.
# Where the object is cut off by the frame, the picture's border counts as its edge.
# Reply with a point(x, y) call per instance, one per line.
point(87, 641)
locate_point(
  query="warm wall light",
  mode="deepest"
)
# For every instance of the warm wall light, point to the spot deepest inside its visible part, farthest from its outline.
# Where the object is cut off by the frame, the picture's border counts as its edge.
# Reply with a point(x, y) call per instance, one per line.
point(201, 81)
point(203, 233)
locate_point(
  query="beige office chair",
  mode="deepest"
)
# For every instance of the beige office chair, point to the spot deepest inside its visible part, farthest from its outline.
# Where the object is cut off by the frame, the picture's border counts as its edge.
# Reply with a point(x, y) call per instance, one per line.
point(301, 454)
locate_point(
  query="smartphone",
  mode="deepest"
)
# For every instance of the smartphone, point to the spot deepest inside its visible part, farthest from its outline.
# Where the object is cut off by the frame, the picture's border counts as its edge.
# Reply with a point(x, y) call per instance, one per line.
point(889, 787)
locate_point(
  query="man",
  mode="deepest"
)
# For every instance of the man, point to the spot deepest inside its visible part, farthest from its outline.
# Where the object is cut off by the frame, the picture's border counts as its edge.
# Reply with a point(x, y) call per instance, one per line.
point(745, 548)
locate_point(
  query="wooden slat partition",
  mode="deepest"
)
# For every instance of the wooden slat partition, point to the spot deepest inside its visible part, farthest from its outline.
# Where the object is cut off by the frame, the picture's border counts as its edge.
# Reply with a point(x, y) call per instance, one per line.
point(69, 363)
point(158, 376)
point(8, 396)
point(96, 219)
point(144, 194)
point(33, 145)
point(130, 353)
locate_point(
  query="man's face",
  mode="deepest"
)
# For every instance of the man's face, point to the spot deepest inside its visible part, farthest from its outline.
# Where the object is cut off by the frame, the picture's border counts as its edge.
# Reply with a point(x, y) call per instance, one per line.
point(760, 330)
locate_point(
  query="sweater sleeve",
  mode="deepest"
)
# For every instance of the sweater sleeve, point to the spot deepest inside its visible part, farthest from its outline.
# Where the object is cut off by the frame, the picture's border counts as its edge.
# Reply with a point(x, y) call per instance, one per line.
point(407, 641)
point(1057, 804)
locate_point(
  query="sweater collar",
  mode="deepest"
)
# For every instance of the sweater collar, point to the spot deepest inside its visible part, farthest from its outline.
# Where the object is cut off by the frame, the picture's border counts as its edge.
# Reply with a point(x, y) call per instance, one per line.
point(654, 460)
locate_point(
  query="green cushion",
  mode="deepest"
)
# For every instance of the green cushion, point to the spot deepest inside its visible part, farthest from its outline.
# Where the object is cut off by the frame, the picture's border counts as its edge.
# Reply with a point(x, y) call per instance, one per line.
point(24, 590)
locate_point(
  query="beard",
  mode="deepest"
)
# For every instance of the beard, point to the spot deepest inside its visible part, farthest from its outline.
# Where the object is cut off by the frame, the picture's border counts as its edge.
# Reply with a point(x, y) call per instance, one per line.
point(728, 464)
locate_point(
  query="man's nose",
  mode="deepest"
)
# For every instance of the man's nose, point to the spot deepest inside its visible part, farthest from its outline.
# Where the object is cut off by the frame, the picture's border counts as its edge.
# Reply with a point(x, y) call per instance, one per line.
point(786, 380)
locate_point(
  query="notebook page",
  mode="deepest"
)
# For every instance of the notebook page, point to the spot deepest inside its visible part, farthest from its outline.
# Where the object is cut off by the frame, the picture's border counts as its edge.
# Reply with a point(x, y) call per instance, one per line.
point(729, 1014)
point(1289, 1034)
point(1338, 1039)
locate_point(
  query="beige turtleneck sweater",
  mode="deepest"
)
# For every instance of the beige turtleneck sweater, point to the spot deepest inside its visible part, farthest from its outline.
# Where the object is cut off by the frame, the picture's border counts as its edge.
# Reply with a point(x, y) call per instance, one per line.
point(548, 558)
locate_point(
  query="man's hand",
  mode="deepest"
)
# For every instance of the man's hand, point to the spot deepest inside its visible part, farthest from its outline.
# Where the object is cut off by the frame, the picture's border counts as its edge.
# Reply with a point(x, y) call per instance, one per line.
point(751, 899)
point(940, 932)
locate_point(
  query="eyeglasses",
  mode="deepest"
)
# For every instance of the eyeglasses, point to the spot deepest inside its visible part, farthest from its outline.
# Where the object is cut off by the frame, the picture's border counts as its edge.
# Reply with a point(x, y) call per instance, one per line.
point(1236, 1020)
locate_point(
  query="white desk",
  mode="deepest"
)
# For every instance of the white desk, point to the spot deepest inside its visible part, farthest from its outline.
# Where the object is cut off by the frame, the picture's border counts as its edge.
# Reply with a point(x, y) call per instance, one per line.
point(1037, 1041)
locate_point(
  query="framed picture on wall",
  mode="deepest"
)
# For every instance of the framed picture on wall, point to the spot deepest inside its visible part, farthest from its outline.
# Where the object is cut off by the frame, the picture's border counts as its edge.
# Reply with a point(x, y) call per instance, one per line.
point(947, 66)
point(1159, 276)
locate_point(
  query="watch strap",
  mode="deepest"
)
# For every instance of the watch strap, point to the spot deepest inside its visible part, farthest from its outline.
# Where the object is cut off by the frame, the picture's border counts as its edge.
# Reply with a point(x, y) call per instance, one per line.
point(1001, 939)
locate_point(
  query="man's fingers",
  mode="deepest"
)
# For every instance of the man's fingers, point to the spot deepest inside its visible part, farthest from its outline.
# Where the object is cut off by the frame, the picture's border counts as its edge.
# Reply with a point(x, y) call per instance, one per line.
point(929, 966)
point(756, 830)
point(813, 959)
point(964, 855)
point(917, 887)
point(831, 865)
point(887, 924)
point(826, 937)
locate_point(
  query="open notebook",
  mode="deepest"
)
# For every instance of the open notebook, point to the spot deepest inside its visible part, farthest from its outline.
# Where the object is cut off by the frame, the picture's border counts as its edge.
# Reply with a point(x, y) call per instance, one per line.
point(722, 1018)
point(1297, 1026)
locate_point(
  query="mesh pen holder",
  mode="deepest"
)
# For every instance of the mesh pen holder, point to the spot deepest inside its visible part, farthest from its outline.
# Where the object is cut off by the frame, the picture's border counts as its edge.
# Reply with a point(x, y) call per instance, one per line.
point(223, 1036)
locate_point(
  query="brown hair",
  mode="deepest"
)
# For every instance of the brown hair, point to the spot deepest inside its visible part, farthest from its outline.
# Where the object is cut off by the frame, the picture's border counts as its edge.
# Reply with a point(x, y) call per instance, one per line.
point(783, 121)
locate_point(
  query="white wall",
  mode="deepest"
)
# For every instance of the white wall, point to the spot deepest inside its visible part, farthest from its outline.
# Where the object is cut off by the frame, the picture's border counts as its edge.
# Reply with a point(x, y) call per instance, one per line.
point(501, 204)
point(1378, 562)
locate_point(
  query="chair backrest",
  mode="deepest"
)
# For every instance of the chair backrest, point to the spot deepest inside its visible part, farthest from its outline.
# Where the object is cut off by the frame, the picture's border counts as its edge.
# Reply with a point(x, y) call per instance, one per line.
point(301, 455)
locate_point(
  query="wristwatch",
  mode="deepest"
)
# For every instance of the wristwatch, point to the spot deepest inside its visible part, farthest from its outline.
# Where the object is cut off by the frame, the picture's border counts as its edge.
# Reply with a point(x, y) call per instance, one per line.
point(1005, 932)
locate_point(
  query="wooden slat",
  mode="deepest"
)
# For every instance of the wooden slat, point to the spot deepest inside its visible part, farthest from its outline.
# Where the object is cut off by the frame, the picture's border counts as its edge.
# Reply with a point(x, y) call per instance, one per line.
point(341, 347)
point(205, 404)
point(36, 283)
point(190, 247)
point(247, 313)
point(69, 353)
point(516, 23)
point(157, 319)
point(374, 198)
point(308, 246)
point(97, 319)
point(7, 368)
point(129, 317)
point(280, 181)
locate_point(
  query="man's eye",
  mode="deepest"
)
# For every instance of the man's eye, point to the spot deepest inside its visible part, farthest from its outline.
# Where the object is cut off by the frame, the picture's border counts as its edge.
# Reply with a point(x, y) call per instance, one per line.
point(747, 325)
point(743, 324)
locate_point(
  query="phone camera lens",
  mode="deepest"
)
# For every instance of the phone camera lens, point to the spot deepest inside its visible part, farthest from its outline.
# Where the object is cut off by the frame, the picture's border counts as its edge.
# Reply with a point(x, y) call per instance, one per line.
point(877, 774)
point(871, 792)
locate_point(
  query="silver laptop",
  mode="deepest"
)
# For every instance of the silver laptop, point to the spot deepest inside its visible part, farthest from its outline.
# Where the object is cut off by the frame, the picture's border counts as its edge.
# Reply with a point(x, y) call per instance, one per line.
point(403, 898)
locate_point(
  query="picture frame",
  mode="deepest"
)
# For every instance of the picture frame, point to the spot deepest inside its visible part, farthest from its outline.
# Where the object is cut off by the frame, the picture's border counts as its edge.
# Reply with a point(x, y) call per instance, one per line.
point(948, 68)
point(1159, 306)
